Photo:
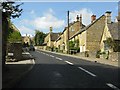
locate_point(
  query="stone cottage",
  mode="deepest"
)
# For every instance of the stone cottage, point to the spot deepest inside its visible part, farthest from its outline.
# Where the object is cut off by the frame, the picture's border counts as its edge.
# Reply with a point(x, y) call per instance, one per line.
point(49, 40)
point(110, 41)
point(90, 36)
point(73, 28)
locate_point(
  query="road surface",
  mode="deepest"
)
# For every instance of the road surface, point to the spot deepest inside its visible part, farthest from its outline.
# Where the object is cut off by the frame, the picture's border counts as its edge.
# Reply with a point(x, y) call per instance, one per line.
point(58, 71)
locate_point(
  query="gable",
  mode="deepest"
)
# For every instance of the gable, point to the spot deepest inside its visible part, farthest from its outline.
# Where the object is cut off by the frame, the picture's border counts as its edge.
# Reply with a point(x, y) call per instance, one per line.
point(95, 30)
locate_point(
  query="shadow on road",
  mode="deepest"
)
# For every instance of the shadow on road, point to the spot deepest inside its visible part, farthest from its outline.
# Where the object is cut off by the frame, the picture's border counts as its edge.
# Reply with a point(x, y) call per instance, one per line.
point(57, 76)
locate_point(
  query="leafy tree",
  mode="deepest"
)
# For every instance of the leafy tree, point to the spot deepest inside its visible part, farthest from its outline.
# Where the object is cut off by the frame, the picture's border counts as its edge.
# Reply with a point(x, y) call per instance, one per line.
point(9, 10)
point(71, 45)
point(74, 45)
point(39, 37)
point(14, 37)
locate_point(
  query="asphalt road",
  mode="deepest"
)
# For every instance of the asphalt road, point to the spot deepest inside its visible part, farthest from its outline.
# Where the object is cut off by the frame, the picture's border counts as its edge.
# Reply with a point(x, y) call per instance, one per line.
point(57, 71)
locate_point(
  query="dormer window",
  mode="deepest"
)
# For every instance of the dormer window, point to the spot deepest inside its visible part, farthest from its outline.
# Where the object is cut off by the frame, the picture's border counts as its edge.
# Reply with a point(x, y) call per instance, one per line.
point(72, 29)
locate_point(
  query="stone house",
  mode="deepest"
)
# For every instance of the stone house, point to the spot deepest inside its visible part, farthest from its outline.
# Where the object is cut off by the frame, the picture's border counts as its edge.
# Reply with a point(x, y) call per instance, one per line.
point(58, 43)
point(110, 39)
point(73, 28)
point(26, 40)
point(91, 35)
point(49, 39)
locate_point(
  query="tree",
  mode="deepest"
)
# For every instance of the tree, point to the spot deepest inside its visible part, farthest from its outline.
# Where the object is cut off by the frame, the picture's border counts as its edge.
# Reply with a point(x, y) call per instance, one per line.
point(39, 37)
point(9, 10)
point(14, 37)
point(74, 45)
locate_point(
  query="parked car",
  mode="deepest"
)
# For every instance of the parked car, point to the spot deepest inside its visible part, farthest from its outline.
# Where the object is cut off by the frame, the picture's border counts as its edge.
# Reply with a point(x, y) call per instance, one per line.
point(32, 48)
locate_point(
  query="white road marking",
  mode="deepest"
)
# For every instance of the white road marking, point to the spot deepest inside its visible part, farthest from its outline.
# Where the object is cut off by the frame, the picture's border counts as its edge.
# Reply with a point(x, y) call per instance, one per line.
point(87, 71)
point(112, 86)
point(69, 62)
point(58, 58)
point(47, 54)
point(43, 53)
point(51, 56)
point(37, 51)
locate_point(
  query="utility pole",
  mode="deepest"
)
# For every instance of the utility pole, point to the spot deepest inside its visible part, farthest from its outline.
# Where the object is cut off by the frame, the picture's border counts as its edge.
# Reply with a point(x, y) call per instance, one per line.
point(68, 33)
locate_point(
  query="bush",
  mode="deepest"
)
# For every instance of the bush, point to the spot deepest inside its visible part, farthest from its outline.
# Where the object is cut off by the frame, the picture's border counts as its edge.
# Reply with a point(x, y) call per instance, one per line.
point(86, 54)
point(55, 49)
point(14, 37)
point(98, 54)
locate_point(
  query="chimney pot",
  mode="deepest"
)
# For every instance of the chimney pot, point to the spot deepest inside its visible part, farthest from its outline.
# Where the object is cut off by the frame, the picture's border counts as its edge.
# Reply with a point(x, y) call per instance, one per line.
point(93, 18)
point(50, 29)
point(77, 18)
point(81, 20)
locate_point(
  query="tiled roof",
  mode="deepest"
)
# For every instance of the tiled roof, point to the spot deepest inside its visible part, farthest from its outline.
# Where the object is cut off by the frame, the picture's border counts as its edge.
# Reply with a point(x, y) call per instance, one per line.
point(54, 36)
point(70, 24)
point(113, 28)
point(85, 28)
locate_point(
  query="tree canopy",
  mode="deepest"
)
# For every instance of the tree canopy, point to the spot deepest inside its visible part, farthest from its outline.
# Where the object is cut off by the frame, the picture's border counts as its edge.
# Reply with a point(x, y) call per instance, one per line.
point(39, 37)
point(10, 9)
point(14, 37)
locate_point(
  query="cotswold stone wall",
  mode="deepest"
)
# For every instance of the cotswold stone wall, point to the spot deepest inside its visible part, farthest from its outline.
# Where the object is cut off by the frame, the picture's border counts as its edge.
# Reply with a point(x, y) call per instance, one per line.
point(114, 56)
point(94, 34)
point(93, 46)
point(16, 49)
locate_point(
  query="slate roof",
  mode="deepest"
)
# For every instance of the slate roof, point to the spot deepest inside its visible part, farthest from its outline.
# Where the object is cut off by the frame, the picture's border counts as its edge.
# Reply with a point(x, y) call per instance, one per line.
point(70, 24)
point(113, 28)
point(54, 36)
point(86, 28)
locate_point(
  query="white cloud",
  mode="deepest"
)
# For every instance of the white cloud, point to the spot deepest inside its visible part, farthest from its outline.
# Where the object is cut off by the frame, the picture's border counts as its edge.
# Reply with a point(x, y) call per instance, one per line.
point(24, 30)
point(86, 15)
point(44, 22)
point(48, 19)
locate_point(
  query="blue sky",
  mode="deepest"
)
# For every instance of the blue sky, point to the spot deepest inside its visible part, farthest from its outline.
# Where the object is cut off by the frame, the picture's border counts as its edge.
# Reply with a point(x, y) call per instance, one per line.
point(42, 15)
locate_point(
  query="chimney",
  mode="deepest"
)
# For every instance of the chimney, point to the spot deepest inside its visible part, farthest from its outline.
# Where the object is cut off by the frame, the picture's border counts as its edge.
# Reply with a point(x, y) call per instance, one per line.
point(118, 17)
point(108, 17)
point(93, 18)
point(77, 18)
point(80, 20)
point(50, 29)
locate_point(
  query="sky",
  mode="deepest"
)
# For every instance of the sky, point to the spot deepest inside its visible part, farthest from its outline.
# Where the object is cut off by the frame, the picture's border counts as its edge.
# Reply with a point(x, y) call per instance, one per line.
point(42, 15)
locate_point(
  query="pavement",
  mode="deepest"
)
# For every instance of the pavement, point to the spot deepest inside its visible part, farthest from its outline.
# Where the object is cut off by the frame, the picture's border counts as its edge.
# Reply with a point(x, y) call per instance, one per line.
point(98, 60)
point(15, 71)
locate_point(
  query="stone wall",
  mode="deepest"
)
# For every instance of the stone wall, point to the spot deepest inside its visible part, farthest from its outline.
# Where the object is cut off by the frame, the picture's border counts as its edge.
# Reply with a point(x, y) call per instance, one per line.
point(88, 54)
point(16, 49)
point(94, 34)
point(114, 56)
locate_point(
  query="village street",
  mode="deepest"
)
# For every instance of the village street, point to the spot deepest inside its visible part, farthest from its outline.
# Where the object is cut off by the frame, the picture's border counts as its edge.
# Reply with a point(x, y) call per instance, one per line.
point(57, 71)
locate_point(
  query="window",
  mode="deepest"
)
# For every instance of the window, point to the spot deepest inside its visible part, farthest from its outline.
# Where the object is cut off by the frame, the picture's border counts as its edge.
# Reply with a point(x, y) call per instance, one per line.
point(72, 29)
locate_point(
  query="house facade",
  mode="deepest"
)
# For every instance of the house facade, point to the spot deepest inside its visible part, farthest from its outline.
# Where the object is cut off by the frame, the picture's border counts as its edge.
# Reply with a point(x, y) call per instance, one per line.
point(110, 38)
point(49, 39)
point(26, 40)
point(74, 27)
point(90, 36)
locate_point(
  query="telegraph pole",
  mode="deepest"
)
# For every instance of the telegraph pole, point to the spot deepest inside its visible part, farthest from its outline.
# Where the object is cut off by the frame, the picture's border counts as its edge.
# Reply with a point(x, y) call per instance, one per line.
point(68, 33)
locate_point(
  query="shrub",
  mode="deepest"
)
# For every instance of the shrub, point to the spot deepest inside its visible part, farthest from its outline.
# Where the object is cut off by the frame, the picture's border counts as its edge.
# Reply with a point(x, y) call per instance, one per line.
point(98, 54)
point(86, 54)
